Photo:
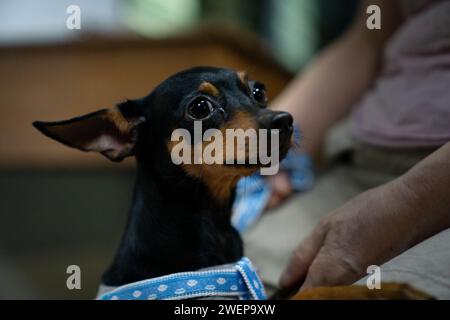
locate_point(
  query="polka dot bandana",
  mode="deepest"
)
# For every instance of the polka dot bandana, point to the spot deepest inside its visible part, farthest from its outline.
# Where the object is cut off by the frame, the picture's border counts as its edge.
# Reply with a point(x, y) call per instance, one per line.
point(240, 281)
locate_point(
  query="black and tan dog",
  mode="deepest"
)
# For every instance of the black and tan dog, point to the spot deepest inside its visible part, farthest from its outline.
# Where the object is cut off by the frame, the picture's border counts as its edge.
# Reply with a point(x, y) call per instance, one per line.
point(180, 216)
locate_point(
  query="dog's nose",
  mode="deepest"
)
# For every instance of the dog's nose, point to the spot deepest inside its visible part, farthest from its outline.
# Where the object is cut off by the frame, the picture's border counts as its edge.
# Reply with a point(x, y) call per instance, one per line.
point(282, 121)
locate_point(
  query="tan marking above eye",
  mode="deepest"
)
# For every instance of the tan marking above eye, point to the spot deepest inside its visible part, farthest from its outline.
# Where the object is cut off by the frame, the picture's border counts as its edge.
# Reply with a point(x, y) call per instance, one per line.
point(209, 88)
point(243, 77)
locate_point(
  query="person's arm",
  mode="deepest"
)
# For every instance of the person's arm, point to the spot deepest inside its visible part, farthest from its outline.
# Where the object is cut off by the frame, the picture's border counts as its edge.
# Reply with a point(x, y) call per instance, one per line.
point(375, 226)
point(326, 91)
point(428, 192)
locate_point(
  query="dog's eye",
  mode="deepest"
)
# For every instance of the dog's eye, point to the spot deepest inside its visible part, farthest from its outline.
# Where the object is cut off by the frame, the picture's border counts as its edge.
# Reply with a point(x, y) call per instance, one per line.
point(200, 108)
point(259, 93)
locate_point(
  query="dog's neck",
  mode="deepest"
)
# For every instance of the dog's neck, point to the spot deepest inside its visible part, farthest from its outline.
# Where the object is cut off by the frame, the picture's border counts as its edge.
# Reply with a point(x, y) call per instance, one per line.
point(174, 226)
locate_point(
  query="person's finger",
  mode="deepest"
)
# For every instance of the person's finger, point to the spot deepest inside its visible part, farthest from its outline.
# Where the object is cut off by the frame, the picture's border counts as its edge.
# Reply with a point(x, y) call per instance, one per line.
point(317, 273)
point(330, 268)
point(302, 258)
point(281, 189)
point(280, 184)
point(274, 200)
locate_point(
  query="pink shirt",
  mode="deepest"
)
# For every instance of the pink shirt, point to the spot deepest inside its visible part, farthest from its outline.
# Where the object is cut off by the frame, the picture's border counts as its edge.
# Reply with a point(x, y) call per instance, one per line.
point(409, 105)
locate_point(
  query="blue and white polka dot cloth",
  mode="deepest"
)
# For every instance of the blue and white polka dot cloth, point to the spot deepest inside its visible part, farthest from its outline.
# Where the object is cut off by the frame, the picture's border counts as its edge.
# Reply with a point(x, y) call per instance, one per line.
point(239, 281)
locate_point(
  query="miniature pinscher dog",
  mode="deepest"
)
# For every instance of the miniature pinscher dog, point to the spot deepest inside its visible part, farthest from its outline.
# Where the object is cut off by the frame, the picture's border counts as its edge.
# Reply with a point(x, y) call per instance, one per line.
point(180, 217)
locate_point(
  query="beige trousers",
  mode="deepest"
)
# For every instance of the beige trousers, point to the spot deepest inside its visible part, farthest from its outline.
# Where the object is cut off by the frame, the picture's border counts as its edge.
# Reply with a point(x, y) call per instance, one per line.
point(270, 242)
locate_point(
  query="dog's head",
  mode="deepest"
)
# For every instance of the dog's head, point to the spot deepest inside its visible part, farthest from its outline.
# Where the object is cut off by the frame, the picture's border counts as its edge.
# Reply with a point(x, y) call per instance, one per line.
point(213, 122)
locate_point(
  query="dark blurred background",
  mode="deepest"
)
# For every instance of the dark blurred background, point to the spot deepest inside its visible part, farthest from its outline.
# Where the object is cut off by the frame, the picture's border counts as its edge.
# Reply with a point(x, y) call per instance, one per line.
point(60, 207)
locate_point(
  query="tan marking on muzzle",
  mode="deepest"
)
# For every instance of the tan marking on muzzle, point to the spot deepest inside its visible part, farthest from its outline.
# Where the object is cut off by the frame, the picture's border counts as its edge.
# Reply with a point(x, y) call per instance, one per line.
point(220, 179)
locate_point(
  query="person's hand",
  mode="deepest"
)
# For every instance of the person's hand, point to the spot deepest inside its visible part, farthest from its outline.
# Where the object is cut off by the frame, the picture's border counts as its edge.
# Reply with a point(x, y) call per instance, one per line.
point(370, 229)
point(281, 189)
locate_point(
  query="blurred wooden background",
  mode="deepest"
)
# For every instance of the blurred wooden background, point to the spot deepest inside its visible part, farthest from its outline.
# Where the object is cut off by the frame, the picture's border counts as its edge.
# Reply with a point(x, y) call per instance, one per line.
point(56, 82)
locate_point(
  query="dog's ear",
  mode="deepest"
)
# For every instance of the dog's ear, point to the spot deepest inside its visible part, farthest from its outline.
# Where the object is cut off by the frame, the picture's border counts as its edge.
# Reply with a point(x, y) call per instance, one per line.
point(112, 132)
